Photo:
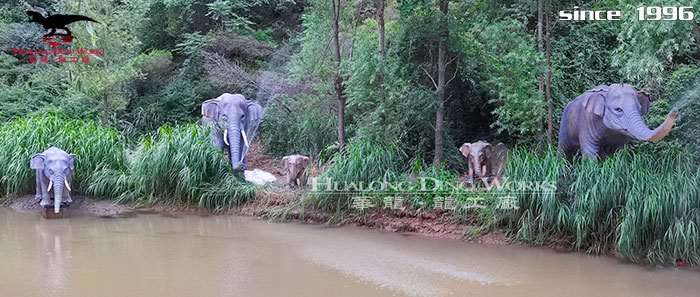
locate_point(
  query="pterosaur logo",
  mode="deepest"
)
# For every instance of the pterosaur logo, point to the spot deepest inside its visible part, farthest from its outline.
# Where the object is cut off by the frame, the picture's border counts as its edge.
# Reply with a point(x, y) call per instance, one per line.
point(57, 34)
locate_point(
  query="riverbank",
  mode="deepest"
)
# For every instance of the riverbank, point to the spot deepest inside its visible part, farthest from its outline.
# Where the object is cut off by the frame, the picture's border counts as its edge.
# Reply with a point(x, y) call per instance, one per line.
point(270, 203)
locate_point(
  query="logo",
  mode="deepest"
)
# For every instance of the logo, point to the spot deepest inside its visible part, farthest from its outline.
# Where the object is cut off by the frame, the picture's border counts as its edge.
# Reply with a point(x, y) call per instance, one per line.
point(57, 33)
point(57, 22)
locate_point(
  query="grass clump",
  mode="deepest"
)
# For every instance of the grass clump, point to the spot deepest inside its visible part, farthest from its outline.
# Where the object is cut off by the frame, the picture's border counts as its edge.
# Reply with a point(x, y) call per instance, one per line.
point(642, 206)
point(95, 147)
point(177, 165)
point(364, 161)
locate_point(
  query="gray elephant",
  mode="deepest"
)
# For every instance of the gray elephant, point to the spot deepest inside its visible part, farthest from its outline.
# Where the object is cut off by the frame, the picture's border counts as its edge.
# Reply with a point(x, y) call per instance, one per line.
point(483, 158)
point(603, 119)
point(295, 167)
point(54, 168)
point(241, 119)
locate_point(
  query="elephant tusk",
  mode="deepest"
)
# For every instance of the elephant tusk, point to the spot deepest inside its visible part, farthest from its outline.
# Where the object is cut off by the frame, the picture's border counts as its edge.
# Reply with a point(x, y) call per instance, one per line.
point(67, 186)
point(245, 138)
point(226, 137)
point(50, 184)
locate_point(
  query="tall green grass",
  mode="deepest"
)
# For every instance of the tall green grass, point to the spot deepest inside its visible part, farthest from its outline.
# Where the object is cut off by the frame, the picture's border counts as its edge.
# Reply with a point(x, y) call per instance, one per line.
point(95, 147)
point(642, 206)
point(363, 161)
point(178, 165)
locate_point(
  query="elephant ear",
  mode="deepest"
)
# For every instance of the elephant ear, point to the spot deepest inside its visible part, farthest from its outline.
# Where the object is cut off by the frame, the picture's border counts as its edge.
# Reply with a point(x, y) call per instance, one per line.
point(254, 115)
point(644, 99)
point(488, 150)
point(37, 161)
point(305, 161)
point(210, 109)
point(594, 101)
point(285, 162)
point(498, 162)
point(465, 149)
point(71, 161)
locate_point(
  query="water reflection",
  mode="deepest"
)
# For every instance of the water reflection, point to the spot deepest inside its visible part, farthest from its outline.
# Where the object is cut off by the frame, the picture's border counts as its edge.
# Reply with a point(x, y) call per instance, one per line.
point(153, 255)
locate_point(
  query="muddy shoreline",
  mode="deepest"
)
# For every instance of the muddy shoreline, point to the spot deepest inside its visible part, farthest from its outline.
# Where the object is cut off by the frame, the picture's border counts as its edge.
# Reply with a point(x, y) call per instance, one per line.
point(270, 204)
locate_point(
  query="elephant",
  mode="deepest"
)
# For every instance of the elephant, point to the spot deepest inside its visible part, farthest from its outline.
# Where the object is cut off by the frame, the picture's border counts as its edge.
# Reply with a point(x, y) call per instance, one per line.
point(483, 158)
point(295, 167)
point(241, 117)
point(54, 168)
point(605, 118)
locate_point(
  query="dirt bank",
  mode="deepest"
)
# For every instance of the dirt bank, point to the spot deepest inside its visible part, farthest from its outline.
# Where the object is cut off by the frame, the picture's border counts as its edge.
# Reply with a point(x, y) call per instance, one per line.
point(81, 204)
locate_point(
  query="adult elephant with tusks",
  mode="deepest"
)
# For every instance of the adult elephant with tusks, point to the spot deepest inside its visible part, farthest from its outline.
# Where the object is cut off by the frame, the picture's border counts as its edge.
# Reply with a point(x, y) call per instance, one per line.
point(241, 117)
point(54, 168)
point(603, 119)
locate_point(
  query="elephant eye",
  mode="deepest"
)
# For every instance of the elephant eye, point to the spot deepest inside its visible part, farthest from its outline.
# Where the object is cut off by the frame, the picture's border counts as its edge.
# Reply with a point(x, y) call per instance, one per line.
point(618, 109)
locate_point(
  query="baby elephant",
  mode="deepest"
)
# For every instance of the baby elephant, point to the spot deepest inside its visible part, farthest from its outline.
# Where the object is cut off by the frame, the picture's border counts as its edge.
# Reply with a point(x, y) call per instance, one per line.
point(295, 167)
point(53, 175)
point(483, 159)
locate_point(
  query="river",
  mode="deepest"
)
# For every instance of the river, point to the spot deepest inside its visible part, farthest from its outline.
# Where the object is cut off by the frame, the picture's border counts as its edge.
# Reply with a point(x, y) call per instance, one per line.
point(156, 255)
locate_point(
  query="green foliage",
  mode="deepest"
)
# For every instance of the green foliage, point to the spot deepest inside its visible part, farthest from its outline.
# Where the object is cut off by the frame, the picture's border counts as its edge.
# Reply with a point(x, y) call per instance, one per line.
point(682, 92)
point(95, 146)
point(364, 162)
point(644, 206)
point(178, 165)
point(178, 102)
point(514, 65)
point(645, 49)
point(286, 133)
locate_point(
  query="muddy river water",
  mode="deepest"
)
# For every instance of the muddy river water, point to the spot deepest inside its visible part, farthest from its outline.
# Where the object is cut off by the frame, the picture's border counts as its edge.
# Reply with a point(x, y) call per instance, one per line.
point(155, 255)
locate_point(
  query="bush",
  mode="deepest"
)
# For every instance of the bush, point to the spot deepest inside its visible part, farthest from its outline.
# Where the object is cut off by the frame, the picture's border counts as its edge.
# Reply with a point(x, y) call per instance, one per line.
point(178, 165)
point(285, 133)
point(643, 206)
point(682, 92)
point(363, 162)
point(95, 147)
point(178, 102)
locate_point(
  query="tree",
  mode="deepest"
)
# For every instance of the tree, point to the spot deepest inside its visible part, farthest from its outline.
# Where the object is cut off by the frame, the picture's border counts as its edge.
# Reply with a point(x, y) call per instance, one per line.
point(379, 5)
point(441, 83)
point(102, 80)
point(338, 82)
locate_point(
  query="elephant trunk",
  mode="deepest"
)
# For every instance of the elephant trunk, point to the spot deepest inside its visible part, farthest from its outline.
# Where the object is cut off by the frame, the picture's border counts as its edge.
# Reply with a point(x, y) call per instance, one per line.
point(58, 193)
point(640, 130)
point(477, 167)
point(234, 140)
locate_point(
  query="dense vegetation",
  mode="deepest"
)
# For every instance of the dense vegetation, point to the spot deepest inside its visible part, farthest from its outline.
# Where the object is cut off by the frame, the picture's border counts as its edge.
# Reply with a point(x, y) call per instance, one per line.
point(371, 90)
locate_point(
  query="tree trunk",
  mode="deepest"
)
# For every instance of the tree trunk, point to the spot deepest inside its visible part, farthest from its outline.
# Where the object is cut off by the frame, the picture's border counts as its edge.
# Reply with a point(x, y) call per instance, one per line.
point(696, 32)
point(442, 65)
point(105, 109)
point(338, 84)
point(538, 47)
point(548, 93)
point(379, 5)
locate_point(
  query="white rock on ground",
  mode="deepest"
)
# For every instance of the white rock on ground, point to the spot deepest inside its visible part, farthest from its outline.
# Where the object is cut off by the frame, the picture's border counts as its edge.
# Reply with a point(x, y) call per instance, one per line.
point(258, 176)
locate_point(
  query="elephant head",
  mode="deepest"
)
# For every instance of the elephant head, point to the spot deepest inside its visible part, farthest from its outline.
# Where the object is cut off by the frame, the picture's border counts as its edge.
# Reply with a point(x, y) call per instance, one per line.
point(478, 156)
point(294, 166)
point(621, 108)
point(53, 172)
point(242, 118)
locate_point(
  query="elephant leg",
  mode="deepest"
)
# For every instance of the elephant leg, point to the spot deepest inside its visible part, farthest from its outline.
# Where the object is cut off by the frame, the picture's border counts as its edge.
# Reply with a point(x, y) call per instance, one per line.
point(589, 148)
point(66, 192)
point(39, 193)
point(46, 198)
point(471, 169)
